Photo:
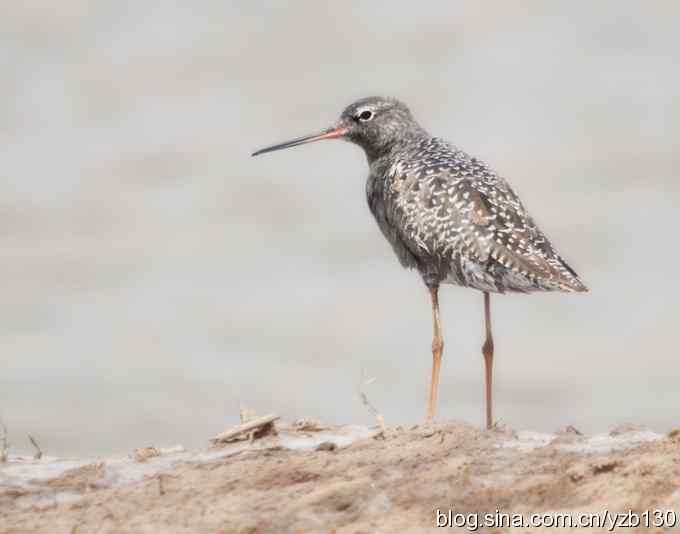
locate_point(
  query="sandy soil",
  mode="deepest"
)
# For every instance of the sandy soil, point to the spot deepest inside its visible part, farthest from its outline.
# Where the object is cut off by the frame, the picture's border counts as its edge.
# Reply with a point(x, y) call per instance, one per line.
point(346, 480)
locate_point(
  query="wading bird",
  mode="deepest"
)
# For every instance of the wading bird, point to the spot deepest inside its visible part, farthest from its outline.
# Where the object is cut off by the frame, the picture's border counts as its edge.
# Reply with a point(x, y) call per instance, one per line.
point(448, 215)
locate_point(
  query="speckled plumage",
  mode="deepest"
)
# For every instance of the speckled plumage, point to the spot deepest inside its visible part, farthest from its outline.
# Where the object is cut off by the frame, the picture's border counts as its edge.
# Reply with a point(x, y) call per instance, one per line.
point(454, 219)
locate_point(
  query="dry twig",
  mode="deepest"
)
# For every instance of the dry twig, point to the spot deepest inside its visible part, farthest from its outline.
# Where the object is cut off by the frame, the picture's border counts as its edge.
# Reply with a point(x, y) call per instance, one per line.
point(38, 451)
point(4, 443)
point(372, 409)
point(259, 427)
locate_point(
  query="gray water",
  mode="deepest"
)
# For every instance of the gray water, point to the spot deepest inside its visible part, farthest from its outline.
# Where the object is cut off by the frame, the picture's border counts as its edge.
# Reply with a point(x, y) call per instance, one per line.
point(154, 277)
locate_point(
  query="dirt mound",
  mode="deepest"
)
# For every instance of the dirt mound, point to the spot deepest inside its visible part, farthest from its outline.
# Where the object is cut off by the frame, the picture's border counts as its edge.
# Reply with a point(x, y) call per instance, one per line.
point(350, 480)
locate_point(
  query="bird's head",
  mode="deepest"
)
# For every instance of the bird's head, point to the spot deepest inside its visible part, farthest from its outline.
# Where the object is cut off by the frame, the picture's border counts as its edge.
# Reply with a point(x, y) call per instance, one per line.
point(375, 123)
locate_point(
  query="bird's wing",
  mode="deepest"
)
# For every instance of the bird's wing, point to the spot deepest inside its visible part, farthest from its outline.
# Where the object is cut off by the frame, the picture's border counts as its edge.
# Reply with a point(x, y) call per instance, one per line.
point(445, 202)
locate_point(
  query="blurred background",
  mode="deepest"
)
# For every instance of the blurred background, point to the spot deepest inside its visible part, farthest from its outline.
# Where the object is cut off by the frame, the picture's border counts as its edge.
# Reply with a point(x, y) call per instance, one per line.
point(155, 278)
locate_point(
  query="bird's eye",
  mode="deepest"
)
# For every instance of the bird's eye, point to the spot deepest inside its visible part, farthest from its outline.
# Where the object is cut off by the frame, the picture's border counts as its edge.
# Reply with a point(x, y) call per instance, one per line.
point(365, 116)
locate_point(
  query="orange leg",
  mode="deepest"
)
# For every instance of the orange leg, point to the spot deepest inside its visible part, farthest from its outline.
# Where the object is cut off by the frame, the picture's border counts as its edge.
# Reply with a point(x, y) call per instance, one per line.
point(487, 351)
point(437, 349)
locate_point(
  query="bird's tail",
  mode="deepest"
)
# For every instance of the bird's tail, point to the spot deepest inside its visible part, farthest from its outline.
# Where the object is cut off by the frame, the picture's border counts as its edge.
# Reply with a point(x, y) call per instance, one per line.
point(567, 279)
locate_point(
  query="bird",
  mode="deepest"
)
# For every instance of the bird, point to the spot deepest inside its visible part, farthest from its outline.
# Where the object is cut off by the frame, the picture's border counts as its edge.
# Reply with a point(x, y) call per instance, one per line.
point(449, 216)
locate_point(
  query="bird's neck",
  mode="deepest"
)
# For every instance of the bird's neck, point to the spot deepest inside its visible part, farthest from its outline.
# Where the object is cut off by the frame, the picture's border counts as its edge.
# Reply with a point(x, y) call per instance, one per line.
point(390, 148)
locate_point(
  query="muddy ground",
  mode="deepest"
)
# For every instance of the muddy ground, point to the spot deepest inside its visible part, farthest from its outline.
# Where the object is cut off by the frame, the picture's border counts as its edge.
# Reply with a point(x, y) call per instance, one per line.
point(348, 481)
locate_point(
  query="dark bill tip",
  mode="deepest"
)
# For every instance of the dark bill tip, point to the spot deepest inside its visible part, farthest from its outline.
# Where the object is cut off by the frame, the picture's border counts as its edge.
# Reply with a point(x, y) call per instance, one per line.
point(332, 133)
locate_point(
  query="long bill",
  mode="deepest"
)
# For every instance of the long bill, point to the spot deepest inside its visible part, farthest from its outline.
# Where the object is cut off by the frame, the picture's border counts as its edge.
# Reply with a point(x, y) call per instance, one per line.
point(331, 133)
